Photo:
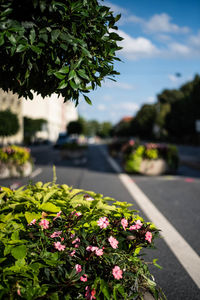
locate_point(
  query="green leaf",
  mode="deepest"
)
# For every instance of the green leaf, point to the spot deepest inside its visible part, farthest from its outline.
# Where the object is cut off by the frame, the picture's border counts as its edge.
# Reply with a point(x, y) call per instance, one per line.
point(64, 70)
point(63, 84)
point(19, 252)
point(32, 36)
point(58, 75)
point(50, 207)
point(36, 49)
point(72, 74)
point(82, 74)
point(73, 85)
point(1, 40)
point(87, 100)
point(21, 48)
point(30, 216)
point(55, 34)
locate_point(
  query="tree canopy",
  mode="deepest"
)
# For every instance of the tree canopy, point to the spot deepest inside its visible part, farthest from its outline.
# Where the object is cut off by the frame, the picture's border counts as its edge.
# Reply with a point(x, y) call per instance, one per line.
point(65, 46)
point(9, 124)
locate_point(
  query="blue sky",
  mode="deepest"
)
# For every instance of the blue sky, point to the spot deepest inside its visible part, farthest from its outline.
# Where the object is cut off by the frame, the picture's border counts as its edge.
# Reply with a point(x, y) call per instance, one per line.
point(161, 38)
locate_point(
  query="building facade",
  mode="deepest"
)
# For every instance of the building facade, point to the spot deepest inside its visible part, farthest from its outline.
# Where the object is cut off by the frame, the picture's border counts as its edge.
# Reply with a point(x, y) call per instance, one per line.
point(52, 109)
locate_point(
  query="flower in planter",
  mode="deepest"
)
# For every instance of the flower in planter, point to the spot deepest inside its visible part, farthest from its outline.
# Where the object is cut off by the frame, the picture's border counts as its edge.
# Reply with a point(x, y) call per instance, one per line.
point(44, 224)
point(113, 242)
point(78, 268)
point(59, 246)
point(137, 225)
point(117, 272)
point(148, 236)
point(55, 234)
point(83, 278)
point(124, 223)
point(88, 249)
point(103, 222)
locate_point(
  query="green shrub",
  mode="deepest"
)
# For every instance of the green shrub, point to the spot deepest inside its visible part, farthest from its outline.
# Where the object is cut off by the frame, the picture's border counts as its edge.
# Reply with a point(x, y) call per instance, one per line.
point(14, 155)
point(62, 243)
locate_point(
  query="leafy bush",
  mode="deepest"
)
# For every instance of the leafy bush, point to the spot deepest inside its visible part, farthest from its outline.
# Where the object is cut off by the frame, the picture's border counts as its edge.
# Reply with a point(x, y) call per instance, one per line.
point(9, 123)
point(62, 243)
point(135, 153)
point(14, 155)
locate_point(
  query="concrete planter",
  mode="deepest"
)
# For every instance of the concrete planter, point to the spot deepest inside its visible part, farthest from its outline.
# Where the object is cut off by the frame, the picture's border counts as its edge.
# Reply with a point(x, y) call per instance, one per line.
point(153, 167)
point(11, 170)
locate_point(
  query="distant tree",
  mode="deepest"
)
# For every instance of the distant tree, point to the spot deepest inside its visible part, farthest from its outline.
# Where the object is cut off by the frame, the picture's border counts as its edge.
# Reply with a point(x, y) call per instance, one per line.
point(75, 127)
point(142, 124)
point(65, 47)
point(31, 126)
point(9, 124)
point(123, 128)
point(105, 129)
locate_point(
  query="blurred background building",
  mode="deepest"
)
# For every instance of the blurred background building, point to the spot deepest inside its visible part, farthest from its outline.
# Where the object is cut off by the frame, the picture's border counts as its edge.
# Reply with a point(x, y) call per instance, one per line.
point(52, 110)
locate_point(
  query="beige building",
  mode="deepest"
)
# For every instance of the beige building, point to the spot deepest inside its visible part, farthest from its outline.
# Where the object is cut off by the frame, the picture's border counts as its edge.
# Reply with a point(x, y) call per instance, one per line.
point(53, 109)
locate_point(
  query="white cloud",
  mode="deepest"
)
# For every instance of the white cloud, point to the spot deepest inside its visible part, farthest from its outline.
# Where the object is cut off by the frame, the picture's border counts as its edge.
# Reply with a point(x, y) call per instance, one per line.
point(195, 40)
point(107, 97)
point(130, 107)
point(151, 100)
point(177, 48)
point(101, 107)
point(120, 85)
point(162, 23)
point(134, 48)
point(173, 78)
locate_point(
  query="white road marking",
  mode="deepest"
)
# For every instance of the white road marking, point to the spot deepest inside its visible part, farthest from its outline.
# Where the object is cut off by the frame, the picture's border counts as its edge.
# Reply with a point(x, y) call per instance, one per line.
point(36, 173)
point(188, 258)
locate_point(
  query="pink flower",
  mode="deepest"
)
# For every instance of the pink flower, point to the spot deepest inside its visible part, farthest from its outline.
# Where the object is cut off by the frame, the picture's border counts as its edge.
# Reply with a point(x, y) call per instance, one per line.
point(103, 222)
point(58, 246)
point(78, 268)
point(62, 239)
point(90, 295)
point(83, 278)
point(137, 225)
point(76, 245)
point(18, 292)
point(89, 248)
point(99, 252)
point(44, 224)
point(55, 234)
point(77, 240)
point(72, 253)
point(58, 215)
point(117, 272)
point(124, 223)
point(78, 214)
point(88, 197)
point(72, 236)
point(113, 242)
point(148, 236)
point(32, 222)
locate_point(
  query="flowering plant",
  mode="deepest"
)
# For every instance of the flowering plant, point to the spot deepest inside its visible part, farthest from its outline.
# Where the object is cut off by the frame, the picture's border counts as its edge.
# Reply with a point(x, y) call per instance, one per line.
point(62, 243)
point(14, 155)
point(135, 153)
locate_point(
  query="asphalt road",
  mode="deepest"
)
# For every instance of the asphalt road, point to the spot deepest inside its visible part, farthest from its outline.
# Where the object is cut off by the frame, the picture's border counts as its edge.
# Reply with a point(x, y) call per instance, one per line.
point(176, 197)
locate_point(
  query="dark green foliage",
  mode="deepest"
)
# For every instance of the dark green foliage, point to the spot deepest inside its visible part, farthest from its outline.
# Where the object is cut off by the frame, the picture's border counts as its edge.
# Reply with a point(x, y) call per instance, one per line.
point(31, 126)
point(9, 124)
point(142, 124)
point(177, 112)
point(75, 127)
point(65, 47)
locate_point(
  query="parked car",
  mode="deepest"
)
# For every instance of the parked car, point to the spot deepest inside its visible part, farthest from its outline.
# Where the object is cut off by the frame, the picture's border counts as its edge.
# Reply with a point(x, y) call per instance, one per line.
point(62, 139)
